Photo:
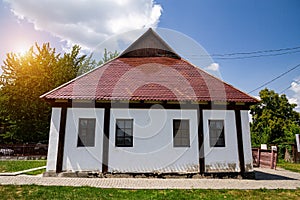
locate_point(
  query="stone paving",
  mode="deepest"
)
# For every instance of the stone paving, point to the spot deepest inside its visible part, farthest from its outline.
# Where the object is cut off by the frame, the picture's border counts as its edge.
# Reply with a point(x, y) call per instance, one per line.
point(265, 178)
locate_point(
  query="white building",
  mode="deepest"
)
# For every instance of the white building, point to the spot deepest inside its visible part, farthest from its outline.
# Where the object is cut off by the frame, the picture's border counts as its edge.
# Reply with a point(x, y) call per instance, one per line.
point(149, 111)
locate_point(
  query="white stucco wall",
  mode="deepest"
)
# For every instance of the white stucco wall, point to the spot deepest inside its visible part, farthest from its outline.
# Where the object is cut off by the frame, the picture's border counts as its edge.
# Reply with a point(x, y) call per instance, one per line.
point(53, 139)
point(221, 159)
point(83, 158)
point(247, 141)
point(153, 149)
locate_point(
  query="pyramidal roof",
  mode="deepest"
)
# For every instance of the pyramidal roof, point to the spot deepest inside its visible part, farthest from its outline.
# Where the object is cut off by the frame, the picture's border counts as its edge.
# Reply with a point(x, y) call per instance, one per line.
point(150, 44)
point(149, 69)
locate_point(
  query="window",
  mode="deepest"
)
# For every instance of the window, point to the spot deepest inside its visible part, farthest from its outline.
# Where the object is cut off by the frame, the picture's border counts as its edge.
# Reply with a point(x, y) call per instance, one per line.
point(181, 133)
point(124, 132)
point(86, 132)
point(216, 133)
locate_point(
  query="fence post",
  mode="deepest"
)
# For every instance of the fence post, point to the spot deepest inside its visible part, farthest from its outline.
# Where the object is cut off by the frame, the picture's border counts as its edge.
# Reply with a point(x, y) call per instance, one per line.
point(294, 153)
point(272, 159)
point(276, 157)
point(258, 157)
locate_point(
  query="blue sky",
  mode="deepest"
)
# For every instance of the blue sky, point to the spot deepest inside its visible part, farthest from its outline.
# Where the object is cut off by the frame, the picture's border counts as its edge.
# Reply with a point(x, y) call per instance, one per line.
point(219, 26)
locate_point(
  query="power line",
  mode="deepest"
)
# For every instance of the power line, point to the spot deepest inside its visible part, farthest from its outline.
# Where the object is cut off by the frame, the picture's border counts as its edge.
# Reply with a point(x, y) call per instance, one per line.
point(257, 56)
point(256, 52)
point(251, 54)
point(284, 73)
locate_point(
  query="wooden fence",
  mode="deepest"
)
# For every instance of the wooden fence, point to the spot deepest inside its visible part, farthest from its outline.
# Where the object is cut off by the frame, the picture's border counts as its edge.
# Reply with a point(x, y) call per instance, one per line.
point(295, 154)
point(264, 158)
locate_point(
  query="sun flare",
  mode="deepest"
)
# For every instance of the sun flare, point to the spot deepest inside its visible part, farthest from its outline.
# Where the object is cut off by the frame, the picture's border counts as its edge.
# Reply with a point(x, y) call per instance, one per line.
point(22, 49)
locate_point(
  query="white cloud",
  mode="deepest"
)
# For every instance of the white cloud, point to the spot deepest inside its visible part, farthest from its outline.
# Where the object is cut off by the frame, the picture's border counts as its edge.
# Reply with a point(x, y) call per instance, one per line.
point(87, 23)
point(293, 100)
point(213, 67)
point(295, 88)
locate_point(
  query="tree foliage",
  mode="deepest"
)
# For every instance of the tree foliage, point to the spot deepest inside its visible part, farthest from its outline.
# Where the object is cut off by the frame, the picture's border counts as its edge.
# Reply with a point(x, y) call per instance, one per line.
point(24, 79)
point(24, 117)
point(274, 120)
point(107, 56)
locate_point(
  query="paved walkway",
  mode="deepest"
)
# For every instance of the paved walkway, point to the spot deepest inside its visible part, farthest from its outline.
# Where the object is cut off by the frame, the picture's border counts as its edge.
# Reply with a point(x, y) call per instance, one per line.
point(266, 178)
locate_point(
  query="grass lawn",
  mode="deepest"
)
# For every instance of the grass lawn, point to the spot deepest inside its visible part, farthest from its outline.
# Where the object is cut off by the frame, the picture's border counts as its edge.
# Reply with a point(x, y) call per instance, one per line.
point(59, 192)
point(19, 165)
point(295, 167)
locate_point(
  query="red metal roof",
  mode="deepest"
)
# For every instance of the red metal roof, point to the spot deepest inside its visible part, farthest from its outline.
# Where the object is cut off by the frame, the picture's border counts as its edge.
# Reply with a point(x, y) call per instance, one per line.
point(149, 69)
point(149, 78)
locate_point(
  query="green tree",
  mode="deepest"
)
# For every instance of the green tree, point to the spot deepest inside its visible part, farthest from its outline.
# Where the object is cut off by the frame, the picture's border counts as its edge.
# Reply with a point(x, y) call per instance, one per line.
point(274, 120)
point(23, 80)
point(24, 117)
point(5, 123)
point(88, 64)
point(107, 56)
